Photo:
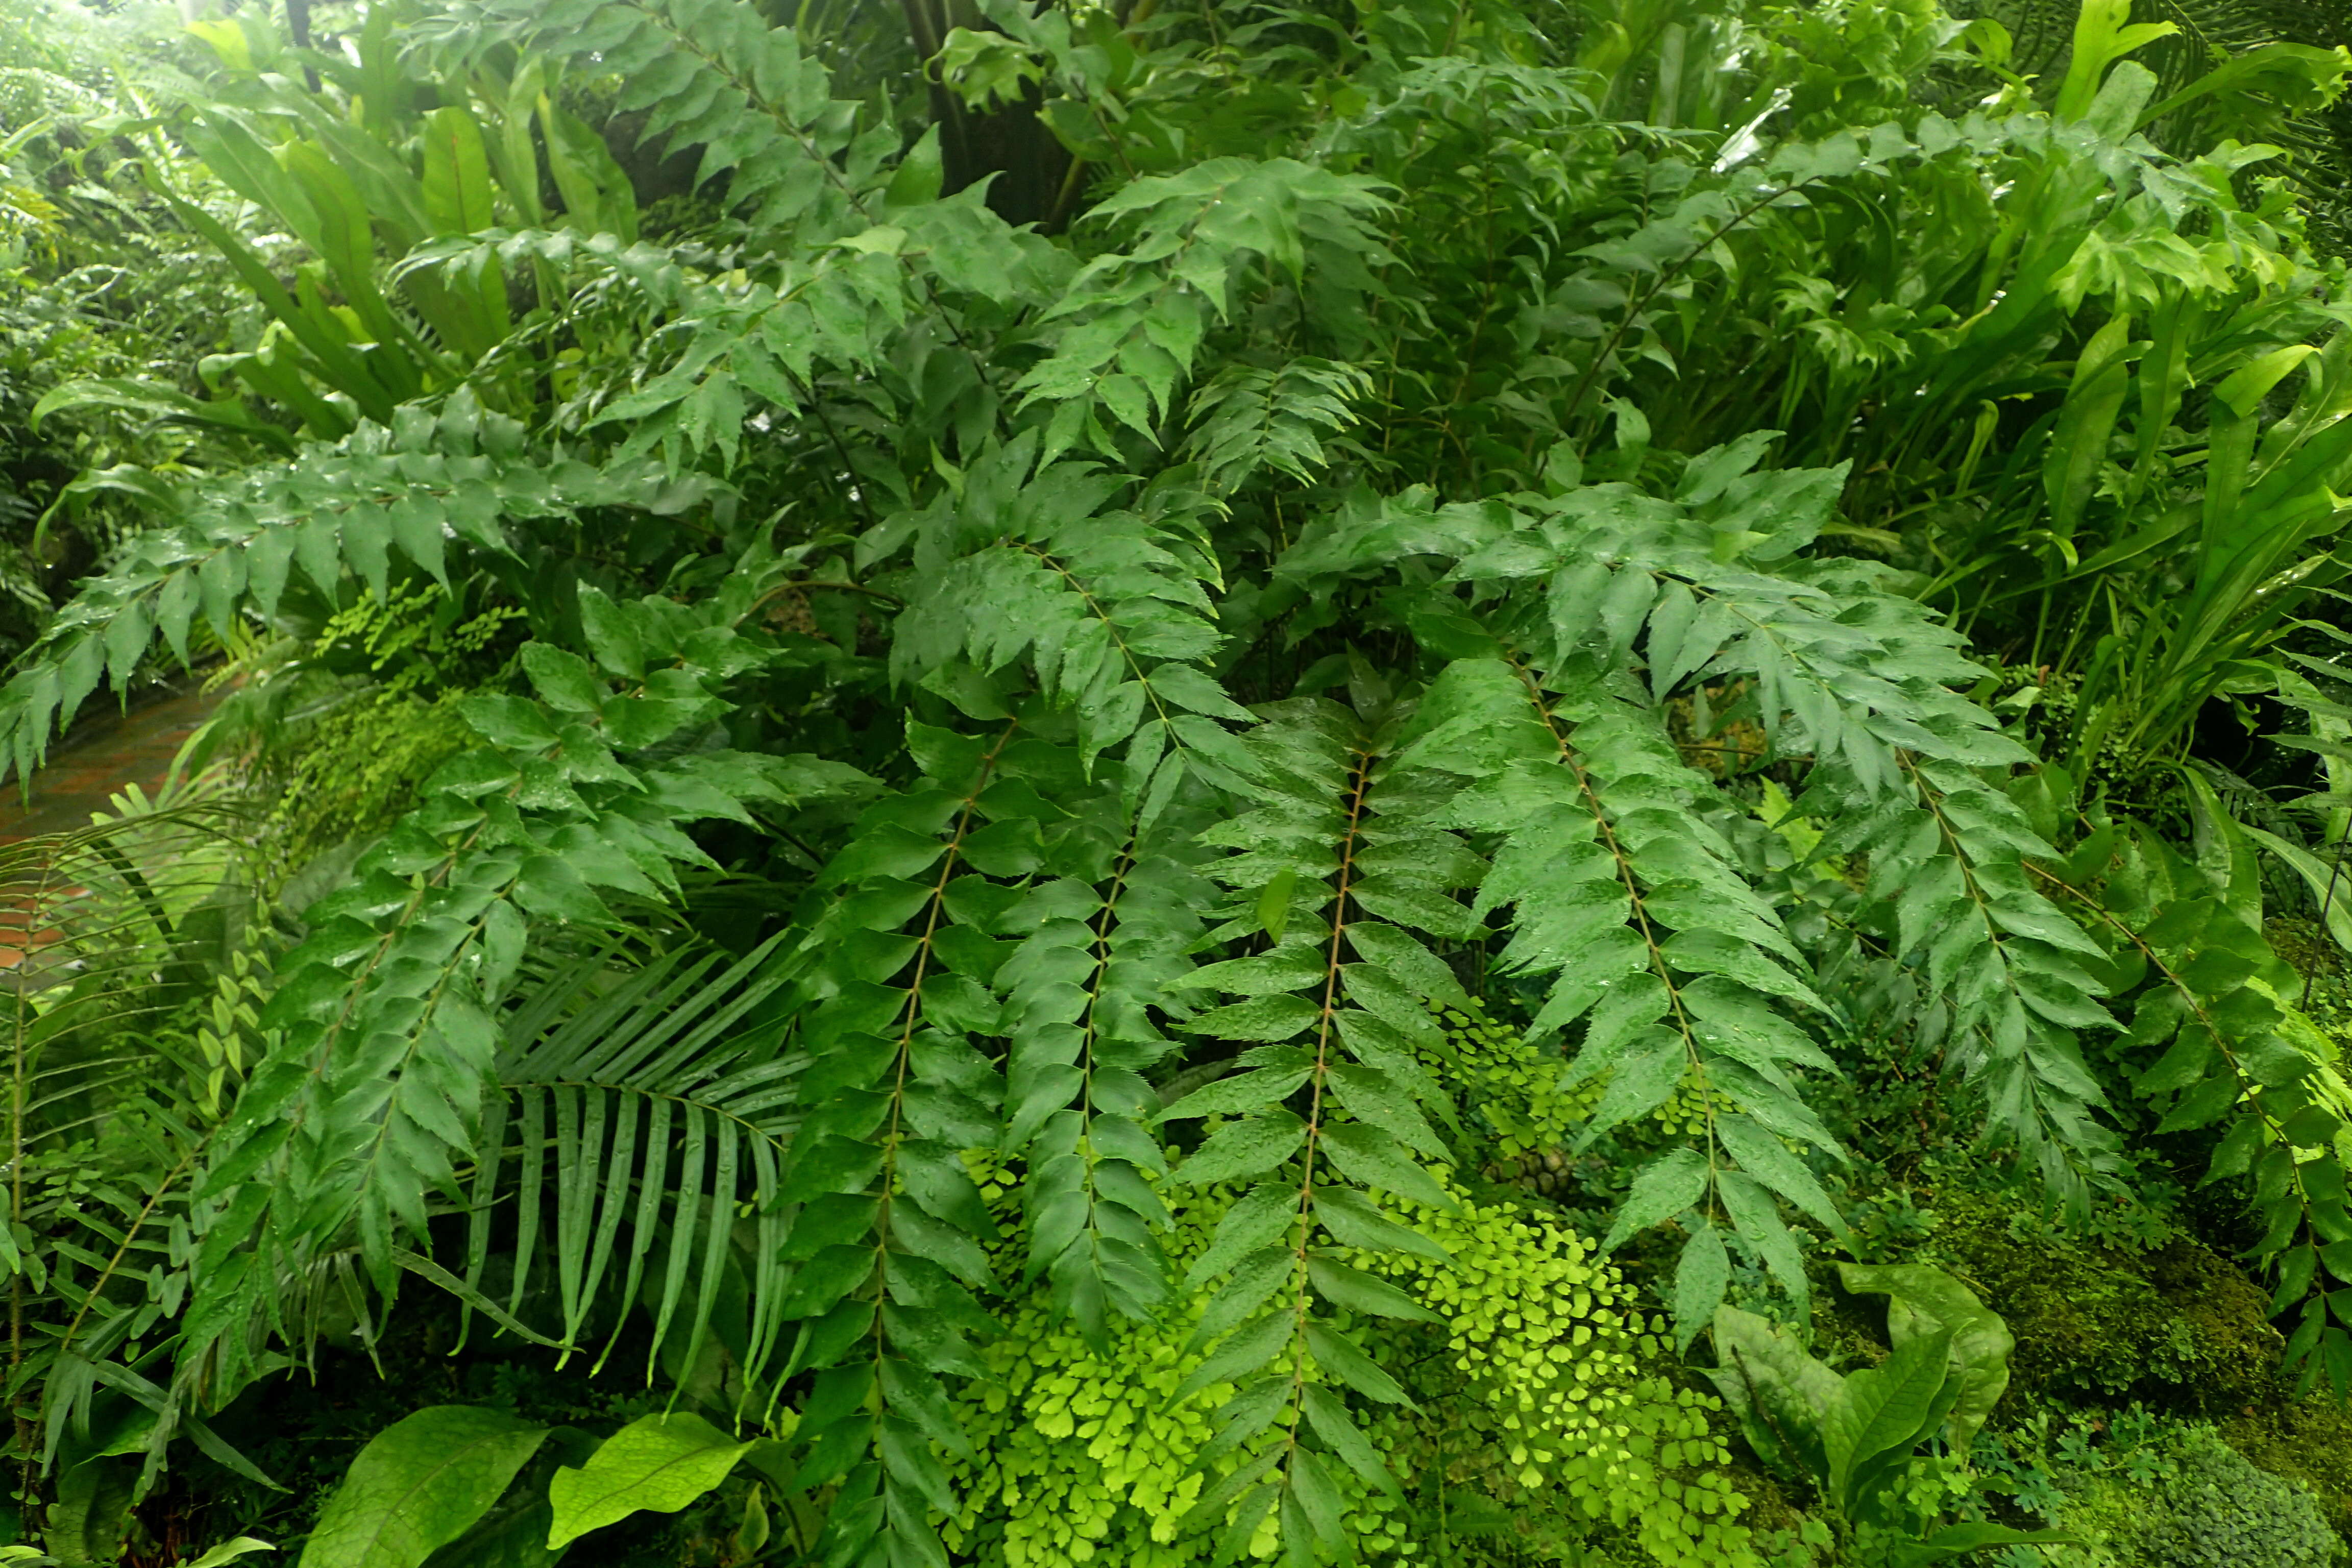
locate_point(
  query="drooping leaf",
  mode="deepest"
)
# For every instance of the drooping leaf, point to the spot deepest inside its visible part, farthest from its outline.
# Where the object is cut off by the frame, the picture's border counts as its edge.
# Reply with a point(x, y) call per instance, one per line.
point(418, 1485)
point(657, 1463)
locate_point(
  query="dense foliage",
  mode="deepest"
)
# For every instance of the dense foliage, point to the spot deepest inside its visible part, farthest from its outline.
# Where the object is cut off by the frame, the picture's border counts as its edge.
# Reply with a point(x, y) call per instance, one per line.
point(1168, 782)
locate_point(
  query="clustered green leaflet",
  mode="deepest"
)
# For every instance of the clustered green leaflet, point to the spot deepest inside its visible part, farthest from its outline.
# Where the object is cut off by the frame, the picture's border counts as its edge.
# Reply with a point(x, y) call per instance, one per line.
point(114, 1253)
point(1342, 859)
point(1572, 593)
point(2007, 967)
point(1246, 418)
point(373, 1097)
point(773, 338)
point(769, 335)
point(2213, 1040)
point(850, 238)
point(433, 485)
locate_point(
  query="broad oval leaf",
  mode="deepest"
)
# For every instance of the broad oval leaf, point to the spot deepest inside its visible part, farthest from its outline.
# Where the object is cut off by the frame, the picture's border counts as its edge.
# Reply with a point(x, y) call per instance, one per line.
point(230, 1551)
point(418, 1485)
point(1782, 1396)
point(1888, 1410)
point(1922, 1301)
point(657, 1463)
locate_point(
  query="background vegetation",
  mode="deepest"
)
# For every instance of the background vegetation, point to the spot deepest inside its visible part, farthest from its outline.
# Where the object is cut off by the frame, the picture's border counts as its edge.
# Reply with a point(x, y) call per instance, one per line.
point(1452, 782)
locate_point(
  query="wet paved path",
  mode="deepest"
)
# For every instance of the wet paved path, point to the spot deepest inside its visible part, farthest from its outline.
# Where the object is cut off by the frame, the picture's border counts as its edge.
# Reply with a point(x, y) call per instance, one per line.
point(80, 779)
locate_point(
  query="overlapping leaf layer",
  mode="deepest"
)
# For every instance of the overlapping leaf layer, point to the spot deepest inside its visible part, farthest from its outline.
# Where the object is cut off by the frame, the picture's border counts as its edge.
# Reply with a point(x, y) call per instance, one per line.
point(1022, 722)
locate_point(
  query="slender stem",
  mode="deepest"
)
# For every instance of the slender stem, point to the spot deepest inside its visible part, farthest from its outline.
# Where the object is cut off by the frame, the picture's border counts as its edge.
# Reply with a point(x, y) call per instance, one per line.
point(841, 449)
point(911, 1017)
point(1323, 1028)
point(1635, 309)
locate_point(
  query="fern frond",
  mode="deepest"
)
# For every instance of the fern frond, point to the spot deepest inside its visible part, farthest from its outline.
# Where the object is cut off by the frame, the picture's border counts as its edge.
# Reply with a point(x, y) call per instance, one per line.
point(1109, 611)
point(461, 472)
point(2005, 965)
point(1248, 418)
point(654, 274)
point(1346, 866)
point(1081, 993)
point(117, 1093)
point(1129, 324)
point(713, 75)
point(1600, 603)
point(2214, 1042)
point(1638, 919)
point(772, 332)
point(886, 1224)
point(375, 1096)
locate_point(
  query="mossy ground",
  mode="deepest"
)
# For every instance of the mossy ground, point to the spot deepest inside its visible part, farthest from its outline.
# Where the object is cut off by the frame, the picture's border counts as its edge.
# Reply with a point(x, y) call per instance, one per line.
point(2307, 1439)
point(2169, 1324)
point(2176, 1327)
point(2179, 1328)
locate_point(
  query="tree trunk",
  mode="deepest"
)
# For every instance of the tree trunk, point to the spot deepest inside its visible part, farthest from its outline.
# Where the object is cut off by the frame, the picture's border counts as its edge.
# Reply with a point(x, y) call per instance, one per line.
point(1012, 142)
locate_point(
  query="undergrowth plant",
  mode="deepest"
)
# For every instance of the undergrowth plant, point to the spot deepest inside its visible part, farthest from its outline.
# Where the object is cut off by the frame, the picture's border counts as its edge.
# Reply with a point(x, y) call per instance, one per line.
point(999, 728)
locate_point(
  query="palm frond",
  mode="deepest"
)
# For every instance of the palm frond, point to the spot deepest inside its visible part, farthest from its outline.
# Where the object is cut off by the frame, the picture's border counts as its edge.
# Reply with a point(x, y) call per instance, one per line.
point(129, 1018)
point(644, 1108)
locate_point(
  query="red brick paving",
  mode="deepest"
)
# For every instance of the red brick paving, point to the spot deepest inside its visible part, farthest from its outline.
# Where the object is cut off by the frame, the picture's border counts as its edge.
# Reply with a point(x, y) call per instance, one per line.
point(81, 780)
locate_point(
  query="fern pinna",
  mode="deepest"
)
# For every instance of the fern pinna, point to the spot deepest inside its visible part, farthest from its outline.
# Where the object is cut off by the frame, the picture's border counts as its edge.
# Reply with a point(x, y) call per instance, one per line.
point(1018, 733)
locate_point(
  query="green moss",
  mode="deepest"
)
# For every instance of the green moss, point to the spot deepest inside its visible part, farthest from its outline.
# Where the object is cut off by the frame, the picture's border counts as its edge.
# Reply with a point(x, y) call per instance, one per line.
point(2210, 1508)
point(2233, 1348)
point(2179, 1326)
point(2221, 1512)
point(2102, 1513)
point(2308, 1439)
